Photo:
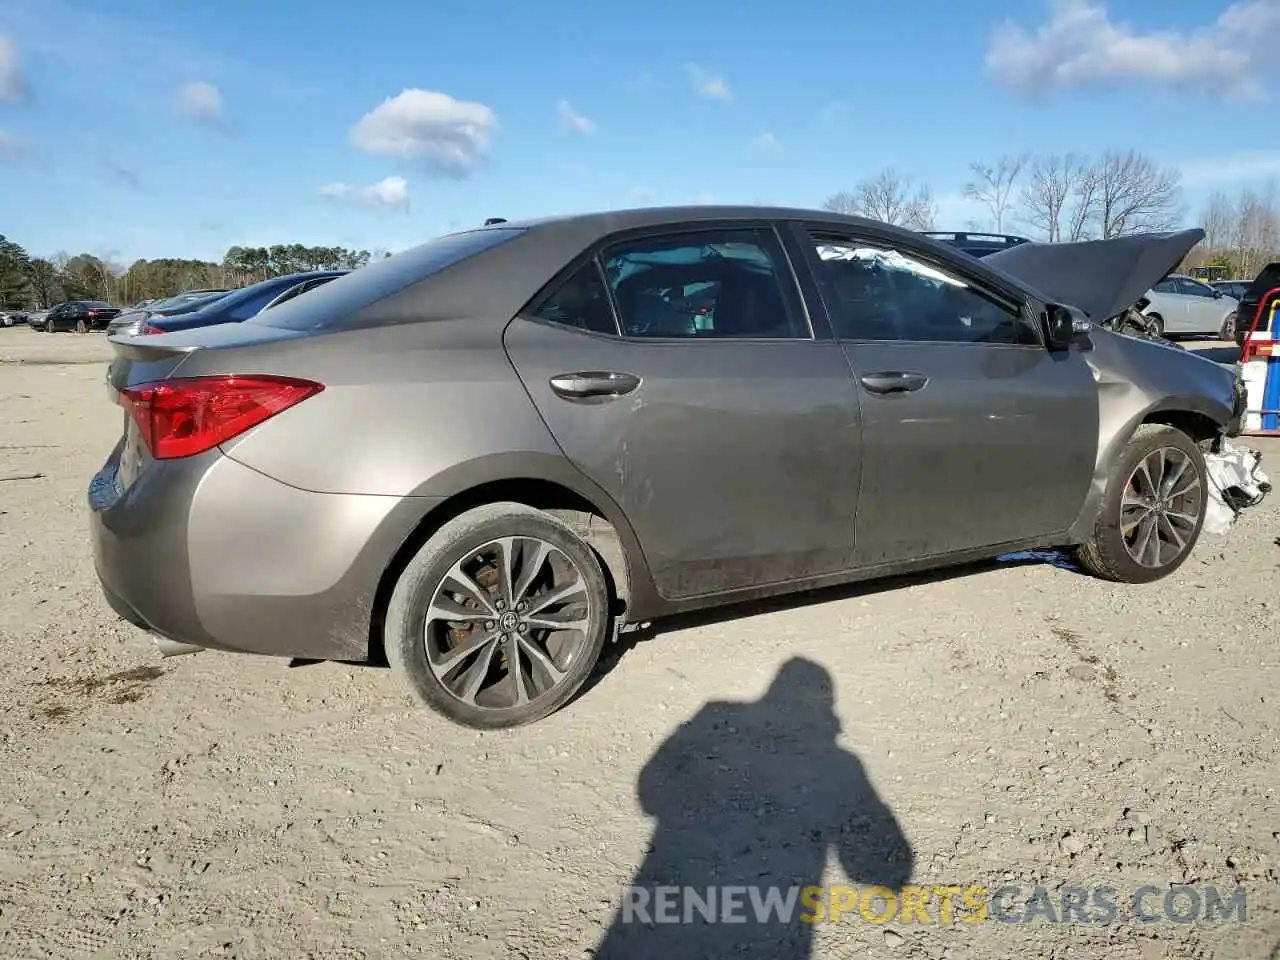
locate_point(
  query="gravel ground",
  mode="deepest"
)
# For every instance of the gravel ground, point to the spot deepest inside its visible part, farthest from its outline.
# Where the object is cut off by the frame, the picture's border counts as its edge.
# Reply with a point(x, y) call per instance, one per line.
point(1010, 724)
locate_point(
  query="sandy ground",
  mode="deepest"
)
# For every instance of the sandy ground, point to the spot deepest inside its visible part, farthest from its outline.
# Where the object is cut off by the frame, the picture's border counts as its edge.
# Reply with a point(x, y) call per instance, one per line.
point(1021, 724)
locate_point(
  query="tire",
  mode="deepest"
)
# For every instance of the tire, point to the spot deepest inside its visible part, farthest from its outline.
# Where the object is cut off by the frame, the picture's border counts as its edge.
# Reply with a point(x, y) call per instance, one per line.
point(1228, 330)
point(81, 327)
point(410, 632)
point(1106, 554)
point(1157, 325)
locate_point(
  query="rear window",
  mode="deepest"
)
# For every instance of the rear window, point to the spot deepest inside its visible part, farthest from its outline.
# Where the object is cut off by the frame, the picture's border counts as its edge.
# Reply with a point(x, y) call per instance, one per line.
point(347, 295)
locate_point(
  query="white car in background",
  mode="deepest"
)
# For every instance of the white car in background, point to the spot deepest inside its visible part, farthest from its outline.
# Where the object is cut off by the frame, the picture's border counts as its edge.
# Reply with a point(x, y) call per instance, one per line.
point(1185, 306)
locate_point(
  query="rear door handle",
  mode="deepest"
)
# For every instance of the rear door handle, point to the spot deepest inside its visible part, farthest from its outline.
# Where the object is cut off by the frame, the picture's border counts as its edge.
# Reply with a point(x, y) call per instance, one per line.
point(893, 381)
point(583, 386)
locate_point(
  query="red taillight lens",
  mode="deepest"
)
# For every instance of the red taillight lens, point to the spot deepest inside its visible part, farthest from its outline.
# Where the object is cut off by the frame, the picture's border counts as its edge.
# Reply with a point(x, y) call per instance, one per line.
point(183, 417)
point(147, 329)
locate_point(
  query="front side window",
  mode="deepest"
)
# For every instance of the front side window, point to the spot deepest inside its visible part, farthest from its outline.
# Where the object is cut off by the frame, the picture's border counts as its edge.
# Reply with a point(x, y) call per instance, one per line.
point(878, 293)
point(1194, 289)
point(712, 284)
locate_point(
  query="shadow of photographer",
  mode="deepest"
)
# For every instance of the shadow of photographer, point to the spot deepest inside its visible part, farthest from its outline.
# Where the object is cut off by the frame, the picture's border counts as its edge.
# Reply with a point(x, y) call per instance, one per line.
point(753, 795)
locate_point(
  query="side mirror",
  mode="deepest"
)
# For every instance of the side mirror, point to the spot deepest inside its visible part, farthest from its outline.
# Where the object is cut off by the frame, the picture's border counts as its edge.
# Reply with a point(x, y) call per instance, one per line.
point(1064, 325)
point(1217, 294)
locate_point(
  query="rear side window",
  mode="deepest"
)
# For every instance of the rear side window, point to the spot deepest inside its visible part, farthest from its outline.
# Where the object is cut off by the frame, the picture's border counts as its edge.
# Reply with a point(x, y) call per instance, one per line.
point(721, 284)
point(345, 296)
point(1167, 285)
point(581, 301)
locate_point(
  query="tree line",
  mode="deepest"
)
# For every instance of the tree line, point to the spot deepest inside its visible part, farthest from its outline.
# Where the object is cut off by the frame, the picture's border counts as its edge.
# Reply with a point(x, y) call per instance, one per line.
point(1065, 197)
point(38, 282)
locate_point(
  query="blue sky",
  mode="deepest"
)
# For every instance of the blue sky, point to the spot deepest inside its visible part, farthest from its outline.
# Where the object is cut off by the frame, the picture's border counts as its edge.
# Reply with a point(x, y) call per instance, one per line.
point(147, 128)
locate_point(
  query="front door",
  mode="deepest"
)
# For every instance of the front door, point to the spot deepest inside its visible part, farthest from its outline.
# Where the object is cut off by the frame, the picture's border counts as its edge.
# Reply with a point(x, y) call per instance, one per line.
point(974, 434)
point(680, 373)
point(1205, 310)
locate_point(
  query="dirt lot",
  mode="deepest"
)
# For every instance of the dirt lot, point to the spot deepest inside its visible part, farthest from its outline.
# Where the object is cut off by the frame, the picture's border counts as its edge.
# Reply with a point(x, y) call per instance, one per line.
point(1021, 723)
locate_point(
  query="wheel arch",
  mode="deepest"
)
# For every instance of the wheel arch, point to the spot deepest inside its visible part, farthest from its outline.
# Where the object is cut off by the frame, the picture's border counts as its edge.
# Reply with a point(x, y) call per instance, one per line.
point(540, 481)
point(1195, 415)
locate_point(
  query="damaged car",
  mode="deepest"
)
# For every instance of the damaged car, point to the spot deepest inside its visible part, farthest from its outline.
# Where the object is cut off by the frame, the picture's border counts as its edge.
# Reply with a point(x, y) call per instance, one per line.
point(481, 458)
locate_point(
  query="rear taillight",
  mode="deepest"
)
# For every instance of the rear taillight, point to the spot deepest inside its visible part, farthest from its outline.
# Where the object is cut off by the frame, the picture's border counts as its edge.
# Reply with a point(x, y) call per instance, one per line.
point(147, 329)
point(183, 417)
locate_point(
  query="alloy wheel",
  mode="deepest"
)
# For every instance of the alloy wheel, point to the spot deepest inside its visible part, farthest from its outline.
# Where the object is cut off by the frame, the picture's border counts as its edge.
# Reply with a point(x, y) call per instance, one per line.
point(1160, 508)
point(507, 622)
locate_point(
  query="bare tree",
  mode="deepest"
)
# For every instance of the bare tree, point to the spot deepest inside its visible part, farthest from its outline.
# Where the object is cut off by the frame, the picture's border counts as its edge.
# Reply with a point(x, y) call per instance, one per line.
point(1057, 200)
point(993, 186)
point(1133, 195)
point(890, 197)
point(1218, 217)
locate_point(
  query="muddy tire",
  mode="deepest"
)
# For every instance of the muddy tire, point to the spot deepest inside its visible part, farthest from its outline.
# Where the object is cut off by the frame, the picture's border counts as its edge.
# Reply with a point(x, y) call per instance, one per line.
point(1152, 511)
point(498, 586)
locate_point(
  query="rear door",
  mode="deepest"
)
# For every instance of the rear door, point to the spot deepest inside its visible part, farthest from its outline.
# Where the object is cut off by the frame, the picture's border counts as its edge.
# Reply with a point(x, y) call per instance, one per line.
point(974, 434)
point(680, 372)
point(1171, 304)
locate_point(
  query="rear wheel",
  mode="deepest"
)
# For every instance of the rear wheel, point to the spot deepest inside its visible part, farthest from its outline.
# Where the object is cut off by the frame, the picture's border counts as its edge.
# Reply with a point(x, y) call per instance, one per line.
point(81, 327)
point(1153, 508)
point(499, 618)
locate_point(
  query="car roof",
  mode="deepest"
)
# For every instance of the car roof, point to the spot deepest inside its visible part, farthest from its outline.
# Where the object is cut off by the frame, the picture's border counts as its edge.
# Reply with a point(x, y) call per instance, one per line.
point(611, 221)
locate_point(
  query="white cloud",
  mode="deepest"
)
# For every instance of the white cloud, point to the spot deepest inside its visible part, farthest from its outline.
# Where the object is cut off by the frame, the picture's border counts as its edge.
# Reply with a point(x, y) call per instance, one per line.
point(198, 101)
point(12, 87)
point(433, 129)
point(573, 122)
point(708, 84)
point(767, 141)
point(385, 196)
point(1080, 45)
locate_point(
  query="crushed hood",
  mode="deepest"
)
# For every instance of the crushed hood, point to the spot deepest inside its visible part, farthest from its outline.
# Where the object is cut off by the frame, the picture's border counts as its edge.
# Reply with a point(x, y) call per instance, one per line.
point(1103, 278)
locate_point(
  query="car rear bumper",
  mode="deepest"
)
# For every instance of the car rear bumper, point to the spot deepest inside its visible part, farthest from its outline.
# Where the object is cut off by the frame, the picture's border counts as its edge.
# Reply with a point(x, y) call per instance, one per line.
point(207, 552)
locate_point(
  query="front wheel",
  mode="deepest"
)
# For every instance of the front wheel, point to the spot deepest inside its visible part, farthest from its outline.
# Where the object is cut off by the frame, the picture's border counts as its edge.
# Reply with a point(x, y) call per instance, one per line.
point(499, 618)
point(1153, 508)
point(1156, 325)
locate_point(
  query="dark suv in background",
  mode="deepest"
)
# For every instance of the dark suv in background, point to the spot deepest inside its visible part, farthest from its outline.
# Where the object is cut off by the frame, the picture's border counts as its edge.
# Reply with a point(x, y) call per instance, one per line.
point(78, 315)
point(1268, 279)
point(977, 244)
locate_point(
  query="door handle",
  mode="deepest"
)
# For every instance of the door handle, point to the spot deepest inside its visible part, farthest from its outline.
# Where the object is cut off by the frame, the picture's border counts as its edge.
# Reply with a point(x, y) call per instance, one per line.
point(582, 386)
point(893, 381)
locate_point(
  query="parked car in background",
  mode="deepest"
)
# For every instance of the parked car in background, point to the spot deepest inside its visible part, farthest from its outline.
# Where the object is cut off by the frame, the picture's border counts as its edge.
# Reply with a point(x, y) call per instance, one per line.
point(475, 457)
point(241, 304)
point(1183, 306)
point(977, 244)
point(1230, 288)
point(80, 316)
point(1268, 279)
point(130, 322)
point(11, 318)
